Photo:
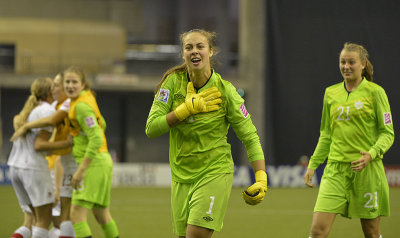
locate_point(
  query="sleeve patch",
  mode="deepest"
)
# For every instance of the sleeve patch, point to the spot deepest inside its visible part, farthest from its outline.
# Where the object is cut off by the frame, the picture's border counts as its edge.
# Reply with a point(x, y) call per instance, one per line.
point(90, 122)
point(244, 110)
point(388, 118)
point(163, 95)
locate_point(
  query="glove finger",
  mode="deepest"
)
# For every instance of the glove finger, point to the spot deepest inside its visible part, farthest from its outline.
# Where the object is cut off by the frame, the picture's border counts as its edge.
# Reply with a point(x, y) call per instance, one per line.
point(198, 105)
point(260, 196)
point(209, 91)
point(212, 108)
point(253, 189)
point(212, 96)
point(214, 102)
point(249, 200)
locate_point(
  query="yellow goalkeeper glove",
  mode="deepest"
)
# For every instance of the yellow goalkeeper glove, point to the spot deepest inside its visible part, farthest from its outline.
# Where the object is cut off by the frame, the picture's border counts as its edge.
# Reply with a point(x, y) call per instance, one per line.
point(206, 101)
point(256, 192)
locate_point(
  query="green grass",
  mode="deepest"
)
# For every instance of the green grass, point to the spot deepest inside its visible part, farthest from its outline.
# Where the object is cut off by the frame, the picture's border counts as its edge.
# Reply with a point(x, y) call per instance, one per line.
point(145, 213)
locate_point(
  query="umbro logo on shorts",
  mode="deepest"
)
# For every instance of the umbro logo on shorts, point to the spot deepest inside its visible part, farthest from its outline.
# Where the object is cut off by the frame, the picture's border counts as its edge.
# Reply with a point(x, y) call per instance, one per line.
point(208, 219)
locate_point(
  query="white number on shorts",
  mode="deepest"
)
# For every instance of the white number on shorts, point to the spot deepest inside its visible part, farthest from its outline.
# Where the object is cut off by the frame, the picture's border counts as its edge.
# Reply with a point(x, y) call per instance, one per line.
point(340, 118)
point(209, 212)
point(371, 197)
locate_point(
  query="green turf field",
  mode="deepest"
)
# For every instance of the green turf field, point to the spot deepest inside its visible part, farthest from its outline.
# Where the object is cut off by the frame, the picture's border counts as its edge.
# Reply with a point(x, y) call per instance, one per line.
point(145, 213)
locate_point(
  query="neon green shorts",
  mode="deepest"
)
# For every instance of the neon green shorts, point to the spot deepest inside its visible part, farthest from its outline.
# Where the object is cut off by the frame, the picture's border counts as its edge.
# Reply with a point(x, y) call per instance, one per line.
point(352, 194)
point(201, 204)
point(96, 188)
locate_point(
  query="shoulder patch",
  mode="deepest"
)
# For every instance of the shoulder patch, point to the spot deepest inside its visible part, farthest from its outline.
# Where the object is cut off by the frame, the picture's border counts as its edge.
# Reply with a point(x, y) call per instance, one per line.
point(163, 95)
point(244, 110)
point(388, 118)
point(90, 122)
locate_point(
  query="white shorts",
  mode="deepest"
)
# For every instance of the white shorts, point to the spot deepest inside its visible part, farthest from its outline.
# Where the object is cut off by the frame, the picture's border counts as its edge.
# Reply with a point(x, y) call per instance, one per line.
point(26, 208)
point(70, 166)
point(32, 187)
point(56, 211)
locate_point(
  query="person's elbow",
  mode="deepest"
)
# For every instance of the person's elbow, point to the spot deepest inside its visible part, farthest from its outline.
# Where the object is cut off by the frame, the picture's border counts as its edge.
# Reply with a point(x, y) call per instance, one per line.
point(150, 134)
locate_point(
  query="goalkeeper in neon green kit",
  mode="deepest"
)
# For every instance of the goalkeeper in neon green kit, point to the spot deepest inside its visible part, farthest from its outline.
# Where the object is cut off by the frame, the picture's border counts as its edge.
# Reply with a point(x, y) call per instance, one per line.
point(196, 106)
point(356, 130)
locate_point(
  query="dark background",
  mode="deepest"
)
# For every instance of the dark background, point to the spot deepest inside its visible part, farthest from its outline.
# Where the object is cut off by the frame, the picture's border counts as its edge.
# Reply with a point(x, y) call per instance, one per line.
point(304, 40)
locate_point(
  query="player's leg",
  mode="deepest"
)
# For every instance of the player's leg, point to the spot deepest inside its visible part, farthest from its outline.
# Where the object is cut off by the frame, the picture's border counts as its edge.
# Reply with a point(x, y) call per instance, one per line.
point(321, 224)
point(198, 232)
point(23, 198)
point(371, 227)
point(66, 227)
point(332, 198)
point(54, 232)
point(104, 218)
point(79, 212)
point(41, 192)
point(42, 220)
point(24, 231)
point(207, 205)
point(370, 198)
point(69, 165)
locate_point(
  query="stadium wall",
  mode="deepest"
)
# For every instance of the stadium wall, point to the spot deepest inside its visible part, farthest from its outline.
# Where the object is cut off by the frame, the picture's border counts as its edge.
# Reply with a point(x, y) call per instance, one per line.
point(51, 45)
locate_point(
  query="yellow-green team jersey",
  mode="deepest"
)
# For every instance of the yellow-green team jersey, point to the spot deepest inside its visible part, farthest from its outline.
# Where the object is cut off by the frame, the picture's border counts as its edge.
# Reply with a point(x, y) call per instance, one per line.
point(352, 122)
point(198, 145)
point(90, 140)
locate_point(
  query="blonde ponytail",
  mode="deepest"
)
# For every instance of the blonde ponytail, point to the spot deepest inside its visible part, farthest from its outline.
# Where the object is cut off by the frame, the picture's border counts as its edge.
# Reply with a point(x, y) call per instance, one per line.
point(40, 90)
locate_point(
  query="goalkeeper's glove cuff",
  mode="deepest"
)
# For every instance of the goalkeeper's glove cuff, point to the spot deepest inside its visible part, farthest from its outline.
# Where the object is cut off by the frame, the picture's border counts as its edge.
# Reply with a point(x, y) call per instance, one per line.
point(182, 112)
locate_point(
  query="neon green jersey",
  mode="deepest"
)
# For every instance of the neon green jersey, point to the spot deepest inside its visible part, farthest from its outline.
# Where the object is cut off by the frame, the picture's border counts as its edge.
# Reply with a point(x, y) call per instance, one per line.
point(198, 145)
point(353, 122)
point(90, 138)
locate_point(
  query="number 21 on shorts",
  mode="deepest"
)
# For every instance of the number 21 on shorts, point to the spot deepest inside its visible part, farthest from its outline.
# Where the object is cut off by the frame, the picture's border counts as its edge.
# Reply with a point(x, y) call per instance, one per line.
point(372, 200)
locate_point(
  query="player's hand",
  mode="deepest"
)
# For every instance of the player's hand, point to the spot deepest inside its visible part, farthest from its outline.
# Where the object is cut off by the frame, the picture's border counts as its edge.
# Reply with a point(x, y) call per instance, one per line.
point(256, 192)
point(308, 178)
point(195, 103)
point(20, 132)
point(212, 99)
point(359, 165)
point(77, 179)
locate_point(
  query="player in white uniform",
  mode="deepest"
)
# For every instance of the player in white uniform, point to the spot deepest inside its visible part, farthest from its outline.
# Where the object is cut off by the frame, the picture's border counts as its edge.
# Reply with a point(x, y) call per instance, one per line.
point(29, 171)
point(59, 120)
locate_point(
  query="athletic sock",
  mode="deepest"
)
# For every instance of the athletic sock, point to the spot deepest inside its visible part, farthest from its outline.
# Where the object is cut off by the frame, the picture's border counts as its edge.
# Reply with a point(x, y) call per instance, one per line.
point(67, 230)
point(22, 232)
point(110, 229)
point(38, 232)
point(82, 229)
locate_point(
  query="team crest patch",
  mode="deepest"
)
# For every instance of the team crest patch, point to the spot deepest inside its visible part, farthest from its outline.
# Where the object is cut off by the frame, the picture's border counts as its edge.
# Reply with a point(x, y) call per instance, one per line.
point(244, 110)
point(90, 122)
point(163, 95)
point(358, 104)
point(388, 119)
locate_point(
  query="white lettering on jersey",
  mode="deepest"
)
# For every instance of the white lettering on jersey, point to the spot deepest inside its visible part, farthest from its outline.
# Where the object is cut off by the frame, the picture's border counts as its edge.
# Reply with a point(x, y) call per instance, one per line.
point(163, 95)
point(388, 118)
point(90, 122)
point(244, 110)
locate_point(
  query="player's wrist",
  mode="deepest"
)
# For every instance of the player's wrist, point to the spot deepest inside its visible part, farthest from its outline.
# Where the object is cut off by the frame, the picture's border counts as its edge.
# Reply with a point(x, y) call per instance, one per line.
point(182, 112)
point(261, 175)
